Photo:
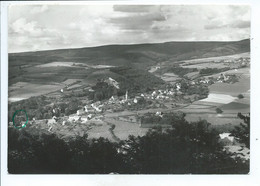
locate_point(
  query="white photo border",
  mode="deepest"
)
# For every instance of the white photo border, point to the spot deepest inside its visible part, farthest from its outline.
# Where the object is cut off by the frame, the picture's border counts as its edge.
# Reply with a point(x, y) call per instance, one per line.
point(252, 179)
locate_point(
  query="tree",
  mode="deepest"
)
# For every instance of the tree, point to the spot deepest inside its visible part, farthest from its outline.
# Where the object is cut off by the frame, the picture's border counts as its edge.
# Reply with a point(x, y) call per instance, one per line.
point(219, 111)
point(242, 132)
point(182, 149)
point(240, 96)
point(186, 148)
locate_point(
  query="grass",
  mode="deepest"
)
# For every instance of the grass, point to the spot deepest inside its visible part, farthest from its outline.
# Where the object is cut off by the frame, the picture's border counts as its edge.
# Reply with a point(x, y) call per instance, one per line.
point(123, 129)
point(231, 89)
point(235, 106)
point(215, 119)
point(219, 98)
point(29, 89)
point(205, 65)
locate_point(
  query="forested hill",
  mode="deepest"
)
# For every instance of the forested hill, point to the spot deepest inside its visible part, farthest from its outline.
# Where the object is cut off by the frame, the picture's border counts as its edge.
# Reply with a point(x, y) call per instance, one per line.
point(140, 55)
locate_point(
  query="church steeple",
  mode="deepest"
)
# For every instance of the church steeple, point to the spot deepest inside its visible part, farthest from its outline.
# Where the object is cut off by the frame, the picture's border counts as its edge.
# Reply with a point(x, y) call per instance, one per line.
point(126, 95)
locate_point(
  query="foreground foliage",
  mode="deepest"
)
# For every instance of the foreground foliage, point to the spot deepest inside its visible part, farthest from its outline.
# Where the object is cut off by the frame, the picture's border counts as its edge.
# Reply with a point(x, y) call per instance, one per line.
point(183, 149)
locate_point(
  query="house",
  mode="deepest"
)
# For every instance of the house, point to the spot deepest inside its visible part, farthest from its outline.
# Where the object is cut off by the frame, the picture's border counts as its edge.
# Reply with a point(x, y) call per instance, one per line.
point(178, 86)
point(227, 135)
point(89, 116)
point(73, 118)
point(85, 109)
point(112, 98)
point(158, 113)
point(80, 112)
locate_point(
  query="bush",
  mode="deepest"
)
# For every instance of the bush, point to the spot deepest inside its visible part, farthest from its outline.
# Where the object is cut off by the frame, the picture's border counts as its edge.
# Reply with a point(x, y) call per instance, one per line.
point(183, 149)
point(242, 132)
point(219, 111)
point(240, 96)
point(208, 71)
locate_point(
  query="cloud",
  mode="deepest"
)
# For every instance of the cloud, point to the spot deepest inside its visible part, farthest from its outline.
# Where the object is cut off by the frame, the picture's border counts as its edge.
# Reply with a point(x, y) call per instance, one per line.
point(30, 35)
point(137, 22)
point(34, 27)
point(31, 28)
point(219, 25)
point(215, 25)
point(38, 9)
point(134, 8)
point(241, 24)
point(22, 26)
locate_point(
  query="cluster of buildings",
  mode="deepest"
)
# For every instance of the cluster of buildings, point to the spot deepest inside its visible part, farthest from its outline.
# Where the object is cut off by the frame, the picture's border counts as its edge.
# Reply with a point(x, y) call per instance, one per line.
point(230, 78)
point(161, 94)
point(241, 60)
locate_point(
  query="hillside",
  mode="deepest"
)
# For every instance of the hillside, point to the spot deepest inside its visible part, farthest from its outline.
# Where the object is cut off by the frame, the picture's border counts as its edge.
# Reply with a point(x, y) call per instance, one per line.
point(137, 55)
point(127, 64)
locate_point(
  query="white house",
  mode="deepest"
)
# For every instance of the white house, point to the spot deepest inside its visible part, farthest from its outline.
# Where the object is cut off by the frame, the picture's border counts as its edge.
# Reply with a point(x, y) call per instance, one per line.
point(226, 135)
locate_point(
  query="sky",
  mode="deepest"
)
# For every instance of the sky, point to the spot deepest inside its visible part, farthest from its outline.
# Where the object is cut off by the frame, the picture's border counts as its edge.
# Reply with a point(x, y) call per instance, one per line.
point(47, 27)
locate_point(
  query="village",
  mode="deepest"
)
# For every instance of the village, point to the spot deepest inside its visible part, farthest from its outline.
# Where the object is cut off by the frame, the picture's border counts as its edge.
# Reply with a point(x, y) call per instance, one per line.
point(173, 96)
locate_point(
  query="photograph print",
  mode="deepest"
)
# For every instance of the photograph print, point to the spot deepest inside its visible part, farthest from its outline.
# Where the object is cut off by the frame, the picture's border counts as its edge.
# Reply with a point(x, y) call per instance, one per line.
point(128, 89)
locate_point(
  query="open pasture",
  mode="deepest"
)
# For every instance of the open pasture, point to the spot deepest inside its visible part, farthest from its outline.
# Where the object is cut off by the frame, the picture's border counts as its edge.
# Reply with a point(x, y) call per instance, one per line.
point(214, 119)
point(25, 90)
point(231, 89)
point(63, 64)
point(219, 58)
point(236, 107)
point(100, 131)
point(205, 65)
point(219, 98)
point(243, 73)
point(123, 129)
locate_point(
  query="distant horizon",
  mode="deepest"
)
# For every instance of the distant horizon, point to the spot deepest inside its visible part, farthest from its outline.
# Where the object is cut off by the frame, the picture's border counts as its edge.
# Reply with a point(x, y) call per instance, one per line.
point(121, 44)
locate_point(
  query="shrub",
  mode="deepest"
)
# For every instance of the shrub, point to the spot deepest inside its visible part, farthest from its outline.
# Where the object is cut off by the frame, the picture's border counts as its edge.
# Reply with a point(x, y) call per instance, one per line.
point(219, 111)
point(183, 149)
point(242, 132)
point(207, 71)
point(240, 96)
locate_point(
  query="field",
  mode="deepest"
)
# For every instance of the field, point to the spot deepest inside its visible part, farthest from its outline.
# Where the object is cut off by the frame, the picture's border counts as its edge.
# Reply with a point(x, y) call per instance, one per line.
point(24, 90)
point(123, 129)
point(62, 64)
point(216, 59)
point(203, 65)
point(169, 77)
point(224, 96)
point(215, 119)
point(231, 89)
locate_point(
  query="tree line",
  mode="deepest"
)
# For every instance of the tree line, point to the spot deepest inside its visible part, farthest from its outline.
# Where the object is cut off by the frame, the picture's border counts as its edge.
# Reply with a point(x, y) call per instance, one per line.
point(186, 147)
